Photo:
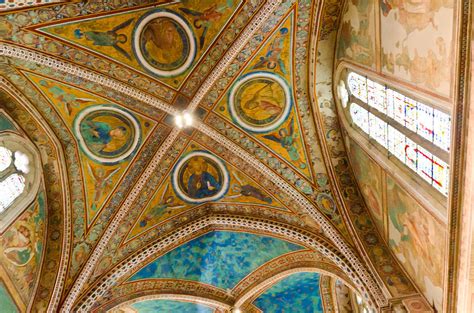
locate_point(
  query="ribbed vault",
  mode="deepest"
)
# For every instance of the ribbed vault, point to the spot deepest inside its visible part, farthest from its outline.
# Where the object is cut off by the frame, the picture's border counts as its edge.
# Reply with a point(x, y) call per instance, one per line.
point(298, 188)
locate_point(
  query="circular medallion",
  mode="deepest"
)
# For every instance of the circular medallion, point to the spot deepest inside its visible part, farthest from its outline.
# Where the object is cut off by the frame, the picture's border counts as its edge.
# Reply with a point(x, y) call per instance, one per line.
point(260, 102)
point(163, 43)
point(200, 177)
point(107, 134)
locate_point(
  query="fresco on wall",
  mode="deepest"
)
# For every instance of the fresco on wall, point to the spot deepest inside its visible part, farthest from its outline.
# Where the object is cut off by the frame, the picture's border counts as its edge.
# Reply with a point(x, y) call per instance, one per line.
point(417, 42)
point(343, 297)
point(418, 241)
point(152, 306)
point(6, 302)
point(5, 123)
point(21, 248)
point(261, 100)
point(207, 257)
point(200, 177)
point(296, 293)
point(108, 136)
point(357, 32)
point(369, 176)
point(165, 42)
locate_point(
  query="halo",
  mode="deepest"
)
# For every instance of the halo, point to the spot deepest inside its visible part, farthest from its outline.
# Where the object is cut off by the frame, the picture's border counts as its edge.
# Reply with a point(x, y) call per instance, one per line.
point(139, 54)
point(220, 165)
point(273, 125)
point(112, 160)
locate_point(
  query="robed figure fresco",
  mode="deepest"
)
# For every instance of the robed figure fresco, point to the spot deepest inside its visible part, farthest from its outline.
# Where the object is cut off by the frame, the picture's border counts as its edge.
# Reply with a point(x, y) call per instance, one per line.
point(101, 136)
point(286, 138)
point(201, 183)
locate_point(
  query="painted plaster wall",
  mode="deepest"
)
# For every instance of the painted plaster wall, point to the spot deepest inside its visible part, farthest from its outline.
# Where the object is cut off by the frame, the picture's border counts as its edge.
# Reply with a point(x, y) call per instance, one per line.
point(413, 45)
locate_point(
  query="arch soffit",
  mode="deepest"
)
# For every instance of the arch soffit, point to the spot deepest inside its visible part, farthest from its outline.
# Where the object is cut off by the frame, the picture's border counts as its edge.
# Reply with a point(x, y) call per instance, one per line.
point(52, 161)
point(219, 222)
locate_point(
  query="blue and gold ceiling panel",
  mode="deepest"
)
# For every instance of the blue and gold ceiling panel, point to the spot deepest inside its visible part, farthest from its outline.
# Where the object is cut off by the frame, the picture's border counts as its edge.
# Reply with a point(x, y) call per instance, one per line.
point(156, 306)
point(200, 177)
point(261, 101)
point(298, 293)
point(219, 258)
point(165, 42)
point(108, 135)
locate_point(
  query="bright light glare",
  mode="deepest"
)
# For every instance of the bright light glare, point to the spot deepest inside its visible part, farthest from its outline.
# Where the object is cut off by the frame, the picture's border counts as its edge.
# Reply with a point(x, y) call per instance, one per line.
point(237, 311)
point(178, 119)
point(188, 119)
point(184, 120)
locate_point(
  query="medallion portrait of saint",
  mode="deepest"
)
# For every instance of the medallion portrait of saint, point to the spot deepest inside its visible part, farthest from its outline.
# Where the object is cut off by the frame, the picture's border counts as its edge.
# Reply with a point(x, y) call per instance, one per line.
point(260, 101)
point(107, 134)
point(164, 43)
point(200, 177)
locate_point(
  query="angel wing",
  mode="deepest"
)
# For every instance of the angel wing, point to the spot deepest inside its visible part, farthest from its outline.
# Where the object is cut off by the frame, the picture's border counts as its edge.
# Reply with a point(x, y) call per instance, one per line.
point(122, 25)
point(110, 173)
point(91, 171)
point(238, 179)
point(292, 126)
point(164, 193)
point(190, 12)
point(273, 138)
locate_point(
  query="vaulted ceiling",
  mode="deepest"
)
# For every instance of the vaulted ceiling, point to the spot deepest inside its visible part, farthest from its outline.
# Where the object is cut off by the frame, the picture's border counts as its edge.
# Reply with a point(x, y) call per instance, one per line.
point(133, 208)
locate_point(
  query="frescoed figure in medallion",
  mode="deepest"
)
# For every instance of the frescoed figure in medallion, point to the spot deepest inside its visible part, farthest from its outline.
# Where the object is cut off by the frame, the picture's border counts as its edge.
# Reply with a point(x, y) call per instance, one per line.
point(164, 43)
point(106, 133)
point(260, 102)
point(103, 137)
point(200, 177)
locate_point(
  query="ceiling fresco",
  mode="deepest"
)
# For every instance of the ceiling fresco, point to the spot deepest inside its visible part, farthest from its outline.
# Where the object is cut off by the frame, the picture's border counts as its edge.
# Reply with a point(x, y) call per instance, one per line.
point(253, 206)
point(220, 259)
point(296, 293)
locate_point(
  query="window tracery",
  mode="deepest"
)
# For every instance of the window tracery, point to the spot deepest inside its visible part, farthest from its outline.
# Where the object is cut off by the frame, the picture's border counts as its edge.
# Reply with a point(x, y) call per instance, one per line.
point(19, 176)
point(417, 134)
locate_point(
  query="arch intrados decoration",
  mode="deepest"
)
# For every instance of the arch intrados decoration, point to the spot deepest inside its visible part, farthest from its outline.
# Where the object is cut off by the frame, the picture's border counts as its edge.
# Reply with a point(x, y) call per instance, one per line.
point(215, 304)
point(65, 224)
point(241, 301)
point(247, 299)
point(186, 233)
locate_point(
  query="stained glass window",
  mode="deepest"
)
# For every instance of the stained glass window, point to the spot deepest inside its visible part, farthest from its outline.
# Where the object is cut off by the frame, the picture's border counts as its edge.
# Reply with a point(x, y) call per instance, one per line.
point(5, 158)
point(376, 95)
point(423, 121)
point(360, 116)
point(440, 175)
point(13, 185)
point(358, 86)
point(22, 162)
point(396, 143)
point(11, 188)
point(343, 93)
point(424, 164)
point(442, 130)
point(378, 129)
point(429, 123)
